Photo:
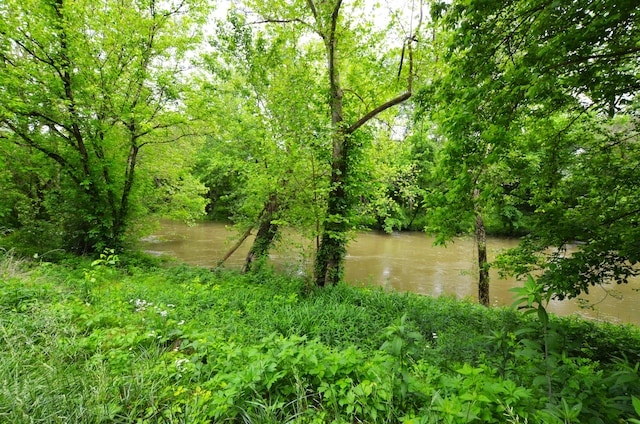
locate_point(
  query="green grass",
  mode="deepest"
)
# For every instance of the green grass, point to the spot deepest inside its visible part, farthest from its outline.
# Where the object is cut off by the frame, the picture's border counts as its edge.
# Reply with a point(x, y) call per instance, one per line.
point(148, 344)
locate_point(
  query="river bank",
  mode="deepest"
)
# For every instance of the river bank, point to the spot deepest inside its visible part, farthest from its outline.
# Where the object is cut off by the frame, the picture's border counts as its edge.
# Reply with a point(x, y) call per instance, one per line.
point(405, 262)
point(119, 340)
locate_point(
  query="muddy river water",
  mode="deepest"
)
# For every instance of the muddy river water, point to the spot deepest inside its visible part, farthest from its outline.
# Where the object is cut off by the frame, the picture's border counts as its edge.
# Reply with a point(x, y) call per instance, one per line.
point(401, 261)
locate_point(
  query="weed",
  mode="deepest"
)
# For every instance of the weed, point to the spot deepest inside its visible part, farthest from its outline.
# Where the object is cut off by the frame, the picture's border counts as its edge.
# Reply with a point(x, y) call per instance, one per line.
point(183, 344)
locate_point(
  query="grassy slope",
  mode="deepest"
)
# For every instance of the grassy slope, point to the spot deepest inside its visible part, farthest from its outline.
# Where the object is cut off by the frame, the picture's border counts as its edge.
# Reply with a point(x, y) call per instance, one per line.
point(95, 344)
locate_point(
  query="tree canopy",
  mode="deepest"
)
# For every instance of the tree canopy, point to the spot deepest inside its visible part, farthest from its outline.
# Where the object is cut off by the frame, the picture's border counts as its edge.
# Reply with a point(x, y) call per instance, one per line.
point(86, 89)
point(539, 104)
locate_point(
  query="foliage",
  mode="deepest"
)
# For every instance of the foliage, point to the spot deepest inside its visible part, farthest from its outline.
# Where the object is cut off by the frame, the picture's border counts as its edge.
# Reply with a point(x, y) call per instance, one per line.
point(186, 344)
point(88, 88)
point(269, 138)
point(580, 191)
point(391, 182)
point(537, 102)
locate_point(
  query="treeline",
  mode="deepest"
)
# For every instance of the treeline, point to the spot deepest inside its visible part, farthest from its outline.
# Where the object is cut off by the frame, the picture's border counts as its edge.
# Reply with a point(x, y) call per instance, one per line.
point(518, 118)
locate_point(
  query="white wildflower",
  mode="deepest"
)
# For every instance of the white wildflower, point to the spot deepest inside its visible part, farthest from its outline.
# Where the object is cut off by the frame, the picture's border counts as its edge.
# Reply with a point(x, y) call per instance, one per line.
point(141, 304)
point(180, 364)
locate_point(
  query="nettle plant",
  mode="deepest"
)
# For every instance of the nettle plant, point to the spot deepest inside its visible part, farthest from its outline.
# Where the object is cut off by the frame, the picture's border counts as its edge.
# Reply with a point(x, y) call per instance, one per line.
point(576, 386)
point(99, 271)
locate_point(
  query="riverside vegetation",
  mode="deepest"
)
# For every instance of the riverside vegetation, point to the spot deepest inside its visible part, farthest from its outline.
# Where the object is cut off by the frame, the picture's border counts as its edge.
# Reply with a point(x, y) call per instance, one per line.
point(130, 340)
point(455, 117)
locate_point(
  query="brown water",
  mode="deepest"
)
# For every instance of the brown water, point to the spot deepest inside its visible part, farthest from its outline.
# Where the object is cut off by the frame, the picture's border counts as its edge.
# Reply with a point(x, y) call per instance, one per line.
point(399, 261)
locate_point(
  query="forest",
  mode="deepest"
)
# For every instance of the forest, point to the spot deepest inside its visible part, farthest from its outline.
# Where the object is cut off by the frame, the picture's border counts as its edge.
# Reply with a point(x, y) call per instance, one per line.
point(324, 117)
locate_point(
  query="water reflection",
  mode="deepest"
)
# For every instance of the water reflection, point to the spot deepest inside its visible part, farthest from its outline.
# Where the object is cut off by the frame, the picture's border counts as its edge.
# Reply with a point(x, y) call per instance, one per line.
point(401, 261)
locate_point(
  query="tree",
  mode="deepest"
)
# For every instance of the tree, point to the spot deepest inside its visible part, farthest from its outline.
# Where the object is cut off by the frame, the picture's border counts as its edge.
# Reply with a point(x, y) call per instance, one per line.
point(541, 95)
point(461, 191)
point(88, 88)
point(267, 133)
point(330, 256)
point(336, 54)
point(324, 19)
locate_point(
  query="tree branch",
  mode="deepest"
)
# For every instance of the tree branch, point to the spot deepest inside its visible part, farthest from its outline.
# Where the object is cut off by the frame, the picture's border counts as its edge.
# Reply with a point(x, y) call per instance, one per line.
point(176, 138)
point(612, 220)
point(621, 54)
point(314, 11)
point(157, 127)
point(47, 60)
point(334, 16)
point(280, 21)
point(393, 102)
point(66, 166)
point(348, 90)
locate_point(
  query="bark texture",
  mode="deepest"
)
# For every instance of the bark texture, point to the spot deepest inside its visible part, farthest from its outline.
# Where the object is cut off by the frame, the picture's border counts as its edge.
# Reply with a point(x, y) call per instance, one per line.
point(483, 265)
point(267, 232)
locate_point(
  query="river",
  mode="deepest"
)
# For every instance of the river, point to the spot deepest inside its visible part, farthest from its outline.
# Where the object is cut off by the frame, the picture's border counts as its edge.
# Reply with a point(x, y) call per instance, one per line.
point(405, 261)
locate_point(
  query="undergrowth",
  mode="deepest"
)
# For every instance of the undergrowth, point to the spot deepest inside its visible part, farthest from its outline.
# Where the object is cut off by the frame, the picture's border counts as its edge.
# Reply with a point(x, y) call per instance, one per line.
point(91, 342)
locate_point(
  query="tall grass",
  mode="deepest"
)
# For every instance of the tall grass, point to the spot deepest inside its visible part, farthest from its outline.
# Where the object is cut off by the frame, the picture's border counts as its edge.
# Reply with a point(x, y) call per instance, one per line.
point(91, 344)
point(11, 266)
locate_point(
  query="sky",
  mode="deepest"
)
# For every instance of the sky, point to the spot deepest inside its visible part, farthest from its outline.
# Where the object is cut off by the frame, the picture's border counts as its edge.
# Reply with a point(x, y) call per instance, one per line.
point(381, 11)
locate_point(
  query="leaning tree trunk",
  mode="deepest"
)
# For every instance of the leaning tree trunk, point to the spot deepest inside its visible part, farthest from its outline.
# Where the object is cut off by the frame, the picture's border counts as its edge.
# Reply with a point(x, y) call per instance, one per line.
point(235, 247)
point(483, 265)
point(267, 232)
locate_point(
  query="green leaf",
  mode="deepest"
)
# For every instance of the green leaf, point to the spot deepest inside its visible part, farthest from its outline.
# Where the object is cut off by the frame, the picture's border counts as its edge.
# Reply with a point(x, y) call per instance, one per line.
point(636, 404)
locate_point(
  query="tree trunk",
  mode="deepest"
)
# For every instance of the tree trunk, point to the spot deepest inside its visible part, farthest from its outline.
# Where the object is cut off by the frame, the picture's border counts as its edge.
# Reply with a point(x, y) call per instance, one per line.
point(483, 265)
point(267, 232)
point(121, 217)
point(234, 248)
point(330, 257)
